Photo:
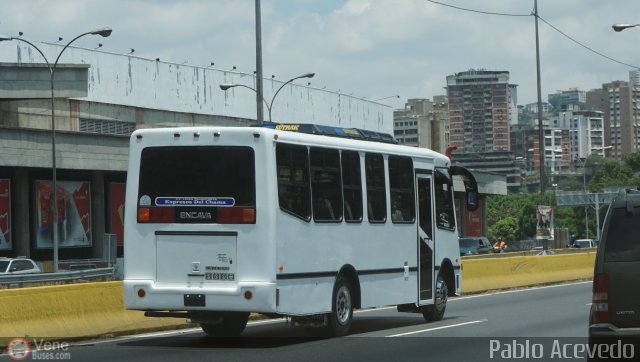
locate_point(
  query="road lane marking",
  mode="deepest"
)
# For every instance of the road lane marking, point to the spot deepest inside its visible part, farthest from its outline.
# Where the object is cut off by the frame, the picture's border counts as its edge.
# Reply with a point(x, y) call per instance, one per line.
point(283, 320)
point(438, 328)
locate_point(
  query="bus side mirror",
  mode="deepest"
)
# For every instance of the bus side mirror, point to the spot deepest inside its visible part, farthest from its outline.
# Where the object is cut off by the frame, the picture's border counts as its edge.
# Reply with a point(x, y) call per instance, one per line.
point(472, 200)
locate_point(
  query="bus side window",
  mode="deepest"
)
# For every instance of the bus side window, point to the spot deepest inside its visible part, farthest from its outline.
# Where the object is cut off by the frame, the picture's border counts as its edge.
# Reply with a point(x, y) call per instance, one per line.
point(326, 184)
point(292, 165)
point(401, 193)
point(376, 191)
point(351, 186)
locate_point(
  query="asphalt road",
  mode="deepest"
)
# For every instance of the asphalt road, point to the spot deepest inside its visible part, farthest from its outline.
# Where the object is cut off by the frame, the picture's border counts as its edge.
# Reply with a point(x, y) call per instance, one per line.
point(475, 328)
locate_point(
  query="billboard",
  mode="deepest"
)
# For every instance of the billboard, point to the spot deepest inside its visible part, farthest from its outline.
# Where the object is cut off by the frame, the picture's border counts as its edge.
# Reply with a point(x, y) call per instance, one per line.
point(116, 209)
point(544, 222)
point(74, 218)
point(5, 214)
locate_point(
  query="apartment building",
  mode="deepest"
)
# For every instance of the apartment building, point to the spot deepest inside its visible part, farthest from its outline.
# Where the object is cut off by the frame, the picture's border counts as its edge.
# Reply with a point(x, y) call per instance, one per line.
point(482, 104)
point(619, 102)
point(423, 123)
point(586, 132)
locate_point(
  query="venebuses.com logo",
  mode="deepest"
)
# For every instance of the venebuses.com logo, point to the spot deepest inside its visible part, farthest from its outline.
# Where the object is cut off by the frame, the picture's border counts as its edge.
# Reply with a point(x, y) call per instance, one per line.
point(19, 349)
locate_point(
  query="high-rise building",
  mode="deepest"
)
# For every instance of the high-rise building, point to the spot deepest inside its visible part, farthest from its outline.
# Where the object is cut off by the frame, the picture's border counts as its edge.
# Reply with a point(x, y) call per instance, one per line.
point(567, 100)
point(423, 123)
point(482, 104)
point(619, 102)
point(412, 125)
point(634, 77)
point(440, 124)
point(586, 132)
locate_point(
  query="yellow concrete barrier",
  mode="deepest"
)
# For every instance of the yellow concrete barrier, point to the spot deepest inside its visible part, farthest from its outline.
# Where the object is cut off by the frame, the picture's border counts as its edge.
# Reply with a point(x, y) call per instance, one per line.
point(480, 275)
point(72, 311)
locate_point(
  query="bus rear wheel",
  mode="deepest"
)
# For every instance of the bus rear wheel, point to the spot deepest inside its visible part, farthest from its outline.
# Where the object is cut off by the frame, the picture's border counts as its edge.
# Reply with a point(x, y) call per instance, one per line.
point(339, 320)
point(232, 325)
point(341, 308)
point(436, 311)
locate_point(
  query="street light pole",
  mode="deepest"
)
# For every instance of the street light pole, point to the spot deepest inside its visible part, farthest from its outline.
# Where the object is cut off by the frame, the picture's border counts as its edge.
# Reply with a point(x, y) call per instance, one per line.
point(259, 87)
point(104, 32)
point(381, 99)
point(225, 87)
point(540, 126)
point(307, 75)
point(586, 207)
point(588, 200)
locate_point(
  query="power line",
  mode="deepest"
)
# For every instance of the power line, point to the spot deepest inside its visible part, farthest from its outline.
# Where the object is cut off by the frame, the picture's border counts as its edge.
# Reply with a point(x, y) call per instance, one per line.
point(476, 11)
point(546, 22)
point(586, 47)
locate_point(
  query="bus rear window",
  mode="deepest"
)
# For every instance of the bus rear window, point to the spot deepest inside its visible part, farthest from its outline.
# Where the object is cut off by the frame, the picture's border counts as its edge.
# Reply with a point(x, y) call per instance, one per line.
point(197, 184)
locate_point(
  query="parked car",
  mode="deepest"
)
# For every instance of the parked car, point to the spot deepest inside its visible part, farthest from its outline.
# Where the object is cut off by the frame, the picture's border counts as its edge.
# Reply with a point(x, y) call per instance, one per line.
point(586, 243)
point(615, 309)
point(18, 266)
point(473, 245)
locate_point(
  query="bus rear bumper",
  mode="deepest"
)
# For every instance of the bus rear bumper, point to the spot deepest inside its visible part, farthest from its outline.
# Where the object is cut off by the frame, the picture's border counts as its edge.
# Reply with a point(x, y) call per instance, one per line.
point(239, 297)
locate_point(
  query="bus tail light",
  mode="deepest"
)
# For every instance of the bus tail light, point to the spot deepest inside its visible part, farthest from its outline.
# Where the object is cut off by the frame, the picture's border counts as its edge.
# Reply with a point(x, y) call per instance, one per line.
point(236, 215)
point(155, 214)
point(601, 298)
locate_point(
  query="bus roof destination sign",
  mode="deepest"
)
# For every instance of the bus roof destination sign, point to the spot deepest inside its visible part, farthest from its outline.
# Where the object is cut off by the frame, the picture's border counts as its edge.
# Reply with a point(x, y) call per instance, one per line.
point(353, 133)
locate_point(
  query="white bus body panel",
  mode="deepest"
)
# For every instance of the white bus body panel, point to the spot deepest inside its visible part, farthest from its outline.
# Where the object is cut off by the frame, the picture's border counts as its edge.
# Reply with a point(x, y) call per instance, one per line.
point(288, 264)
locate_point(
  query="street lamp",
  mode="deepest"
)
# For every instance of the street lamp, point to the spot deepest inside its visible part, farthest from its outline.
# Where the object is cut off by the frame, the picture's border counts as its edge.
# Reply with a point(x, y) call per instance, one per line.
point(621, 27)
point(104, 32)
point(225, 87)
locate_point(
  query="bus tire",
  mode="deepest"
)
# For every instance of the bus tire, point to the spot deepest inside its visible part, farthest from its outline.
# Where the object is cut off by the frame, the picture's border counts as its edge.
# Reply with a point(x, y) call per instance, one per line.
point(341, 308)
point(232, 325)
point(435, 312)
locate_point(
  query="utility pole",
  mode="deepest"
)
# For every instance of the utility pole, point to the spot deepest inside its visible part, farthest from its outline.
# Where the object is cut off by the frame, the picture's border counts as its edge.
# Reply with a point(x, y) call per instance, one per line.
point(259, 87)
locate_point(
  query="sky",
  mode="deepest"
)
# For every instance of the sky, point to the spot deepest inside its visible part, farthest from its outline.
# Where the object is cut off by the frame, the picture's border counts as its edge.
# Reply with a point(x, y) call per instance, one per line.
point(368, 49)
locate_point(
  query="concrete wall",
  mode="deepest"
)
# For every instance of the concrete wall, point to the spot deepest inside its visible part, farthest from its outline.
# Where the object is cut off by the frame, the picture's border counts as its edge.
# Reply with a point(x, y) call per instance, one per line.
point(34, 80)
point(84, 151)
point(137, 82)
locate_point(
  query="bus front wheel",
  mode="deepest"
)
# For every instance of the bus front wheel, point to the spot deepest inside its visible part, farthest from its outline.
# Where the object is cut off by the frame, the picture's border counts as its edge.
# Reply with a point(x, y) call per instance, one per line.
point(232, 325)
point(436, 311)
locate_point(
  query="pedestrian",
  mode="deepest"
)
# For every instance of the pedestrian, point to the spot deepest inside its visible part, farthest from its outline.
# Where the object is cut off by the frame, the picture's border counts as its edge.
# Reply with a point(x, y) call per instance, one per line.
point(499, 246)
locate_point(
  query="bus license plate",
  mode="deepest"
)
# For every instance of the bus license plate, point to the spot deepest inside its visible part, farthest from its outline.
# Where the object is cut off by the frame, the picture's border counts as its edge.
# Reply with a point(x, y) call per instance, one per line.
point(220, 276)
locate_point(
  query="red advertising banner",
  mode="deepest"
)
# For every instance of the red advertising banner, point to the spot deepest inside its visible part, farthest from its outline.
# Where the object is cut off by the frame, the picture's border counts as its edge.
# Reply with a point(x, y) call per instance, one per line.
point(117, 191)
point(5, 214)
point(74, 214)
point(474, 222)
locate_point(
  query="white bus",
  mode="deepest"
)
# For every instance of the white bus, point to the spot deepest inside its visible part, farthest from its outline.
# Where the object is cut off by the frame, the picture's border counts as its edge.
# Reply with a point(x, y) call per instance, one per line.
point(278, 220)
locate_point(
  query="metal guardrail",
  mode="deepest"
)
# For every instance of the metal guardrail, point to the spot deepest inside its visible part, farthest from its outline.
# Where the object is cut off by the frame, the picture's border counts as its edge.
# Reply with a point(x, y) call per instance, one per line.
point(19, 280)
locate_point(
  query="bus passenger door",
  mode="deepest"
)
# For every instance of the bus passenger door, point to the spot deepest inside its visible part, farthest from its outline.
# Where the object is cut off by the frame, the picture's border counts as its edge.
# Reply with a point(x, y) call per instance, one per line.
point(425, 239)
